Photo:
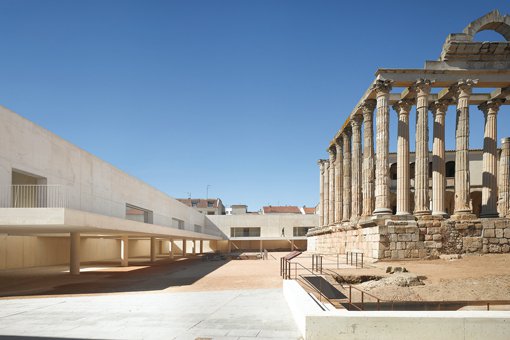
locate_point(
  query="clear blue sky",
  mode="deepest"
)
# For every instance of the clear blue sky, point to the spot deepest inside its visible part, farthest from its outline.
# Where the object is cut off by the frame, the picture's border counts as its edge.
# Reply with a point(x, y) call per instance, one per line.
point(241, 95)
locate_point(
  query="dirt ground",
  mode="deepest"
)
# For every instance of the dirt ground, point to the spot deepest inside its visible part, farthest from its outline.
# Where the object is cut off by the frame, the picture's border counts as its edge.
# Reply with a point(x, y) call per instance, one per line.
point(181, 274)
point(470, 278)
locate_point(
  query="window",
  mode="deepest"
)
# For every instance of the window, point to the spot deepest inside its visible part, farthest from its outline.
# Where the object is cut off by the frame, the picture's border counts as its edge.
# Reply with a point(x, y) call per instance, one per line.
point(194, 204)
point(134, 213)
point(210, 213)
point(244, 232)
point(210, 204)
point(198, 228)
point(301, 231)
point(450, 169)
point(177, 223)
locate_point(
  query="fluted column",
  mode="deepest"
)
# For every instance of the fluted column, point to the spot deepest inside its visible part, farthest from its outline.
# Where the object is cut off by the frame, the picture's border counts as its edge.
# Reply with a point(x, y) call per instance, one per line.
point(356, 166)
point(438, 109)
point(462, 186)
point(403, 107)
point(339, 184)
point(346, 136)
point(326, 192)
point(321, 197)
point(421, 178)
point(331, 214)
point(367, 108)
point(504, 179)
point(490, 159)
point(382, 180)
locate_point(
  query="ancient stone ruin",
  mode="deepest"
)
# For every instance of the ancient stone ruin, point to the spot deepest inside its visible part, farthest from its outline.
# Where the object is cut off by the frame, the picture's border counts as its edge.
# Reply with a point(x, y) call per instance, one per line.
point(423, 204)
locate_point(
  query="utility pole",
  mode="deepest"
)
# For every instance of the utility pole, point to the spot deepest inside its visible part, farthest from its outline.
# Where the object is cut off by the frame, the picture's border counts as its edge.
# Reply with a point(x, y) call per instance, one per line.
point(207, 191)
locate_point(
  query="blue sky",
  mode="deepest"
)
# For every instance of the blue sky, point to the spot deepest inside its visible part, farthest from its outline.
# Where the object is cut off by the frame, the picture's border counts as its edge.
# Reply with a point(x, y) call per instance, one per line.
point(241, 95)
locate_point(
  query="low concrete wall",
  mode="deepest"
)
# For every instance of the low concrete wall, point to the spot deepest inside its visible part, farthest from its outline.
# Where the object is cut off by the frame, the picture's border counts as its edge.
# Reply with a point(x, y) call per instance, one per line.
point(408, 325)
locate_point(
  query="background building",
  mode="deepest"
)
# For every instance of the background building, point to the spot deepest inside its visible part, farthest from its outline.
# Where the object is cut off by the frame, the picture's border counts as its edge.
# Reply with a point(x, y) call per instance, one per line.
point(207, 206)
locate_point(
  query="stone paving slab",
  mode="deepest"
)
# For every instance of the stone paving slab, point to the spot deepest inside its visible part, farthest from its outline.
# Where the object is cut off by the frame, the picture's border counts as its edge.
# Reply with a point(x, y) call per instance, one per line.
point(229, 314)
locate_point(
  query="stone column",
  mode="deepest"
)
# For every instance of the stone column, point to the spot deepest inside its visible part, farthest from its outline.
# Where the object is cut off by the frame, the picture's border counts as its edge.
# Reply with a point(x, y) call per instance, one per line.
point(368, 171)
point(462, 186)
point(171, 247)
point(356, 166)
point(346, 136)
point(326, 192)
point(74, 258)
point(321, 202)
point(331, 213)
point(403, 107)
point(339, 187)
point(438, 109)
point(490, 159)
point(184, 245)
point(201, 246)
point(421, 178)
point(504, 178)
point(382, 89)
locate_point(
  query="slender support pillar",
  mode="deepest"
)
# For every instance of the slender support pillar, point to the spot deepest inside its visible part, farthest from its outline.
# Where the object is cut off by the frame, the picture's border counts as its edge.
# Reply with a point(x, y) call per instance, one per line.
point(171, 247)
point(124, 251)
point(229, 246)
point(339, 182)
point(194, 247)
point(201, 246)
point(326, 192)
point(291, 245)
point(321, 188)
point(356, 167)
point(368, 181)
point(382, 179)
point(403, 107)
point(504, 179)
point(74, 263)
point(421, 179)
point(346, 135)
point(331, 213)
point(462, 186)
point(439, 109)
point(153, 249)
point(490, 159)
point(184, 244)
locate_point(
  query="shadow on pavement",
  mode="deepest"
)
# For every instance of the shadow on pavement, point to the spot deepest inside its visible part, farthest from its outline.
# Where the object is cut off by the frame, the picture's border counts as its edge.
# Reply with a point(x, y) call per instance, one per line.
point(110, 278)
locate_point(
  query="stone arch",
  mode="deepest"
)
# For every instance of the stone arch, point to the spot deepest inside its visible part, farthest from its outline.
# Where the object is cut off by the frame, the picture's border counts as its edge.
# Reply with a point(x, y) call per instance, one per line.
point(490, 21)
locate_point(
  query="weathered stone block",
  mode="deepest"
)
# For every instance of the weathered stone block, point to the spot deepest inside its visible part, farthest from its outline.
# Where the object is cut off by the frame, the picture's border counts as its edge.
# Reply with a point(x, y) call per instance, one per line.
point(493, 240)
point(506, 233)
point(503, 241)
point(499, 233)
point(505, 248)
point(472, 244)
point(429, 244)
point(437, 237)
point(428, 237)
point(404, 237)
point(489, 233)
point(494, 248)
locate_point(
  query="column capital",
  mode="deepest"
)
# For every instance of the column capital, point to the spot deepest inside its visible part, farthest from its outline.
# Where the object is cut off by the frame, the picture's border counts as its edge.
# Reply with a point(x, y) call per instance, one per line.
point(422, 86)
point(463, 87)
point(439, 107)
point(356, 120)
point(346, 133)
point(338, 146)
point(505, 141)
point(367, 108)
point(403, 107)
point(383, 86)
point(320, 163)
point(332, 154)
point(491, 106)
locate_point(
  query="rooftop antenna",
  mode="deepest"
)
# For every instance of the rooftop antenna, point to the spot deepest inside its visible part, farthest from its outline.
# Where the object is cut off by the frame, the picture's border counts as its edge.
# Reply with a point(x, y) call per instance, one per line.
point(207, 191)
point(189, 195)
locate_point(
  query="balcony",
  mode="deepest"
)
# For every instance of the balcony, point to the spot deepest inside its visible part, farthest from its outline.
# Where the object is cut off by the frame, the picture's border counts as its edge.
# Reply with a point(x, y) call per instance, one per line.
point(34, 196)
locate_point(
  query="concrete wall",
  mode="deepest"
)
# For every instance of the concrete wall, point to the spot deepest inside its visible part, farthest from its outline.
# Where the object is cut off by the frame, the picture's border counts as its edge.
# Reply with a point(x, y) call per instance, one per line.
point(31, 251)
point(271, 225)
point(90, 184)
point(461, 325)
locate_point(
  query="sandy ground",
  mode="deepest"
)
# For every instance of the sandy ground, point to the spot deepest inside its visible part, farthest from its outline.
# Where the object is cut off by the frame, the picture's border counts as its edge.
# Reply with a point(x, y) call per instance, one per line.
point(469, 278)
point(484, 277)
point(182, 274)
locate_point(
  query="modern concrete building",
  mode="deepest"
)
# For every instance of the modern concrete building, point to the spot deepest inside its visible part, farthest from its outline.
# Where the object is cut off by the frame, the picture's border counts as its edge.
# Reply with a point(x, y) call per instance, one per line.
point(60, 204)
point(207, 206)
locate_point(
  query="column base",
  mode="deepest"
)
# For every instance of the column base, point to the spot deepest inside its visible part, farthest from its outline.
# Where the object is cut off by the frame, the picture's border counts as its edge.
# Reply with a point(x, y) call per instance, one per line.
point(403, 217)
point(421, 212)
point(463, 216)
point(382, 211)
point(440, 214)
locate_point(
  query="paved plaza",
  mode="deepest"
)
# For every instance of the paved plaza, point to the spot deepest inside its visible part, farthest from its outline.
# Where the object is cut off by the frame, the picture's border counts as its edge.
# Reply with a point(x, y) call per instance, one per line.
point(182, 299)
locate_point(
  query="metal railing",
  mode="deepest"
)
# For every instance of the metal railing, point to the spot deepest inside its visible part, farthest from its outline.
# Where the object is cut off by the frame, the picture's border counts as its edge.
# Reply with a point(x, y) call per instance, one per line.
point(35, 196)
point(349, 258)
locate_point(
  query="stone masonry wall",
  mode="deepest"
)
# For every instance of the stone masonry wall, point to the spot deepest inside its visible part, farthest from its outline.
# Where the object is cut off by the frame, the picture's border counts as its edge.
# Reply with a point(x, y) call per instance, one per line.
point(428, 237)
